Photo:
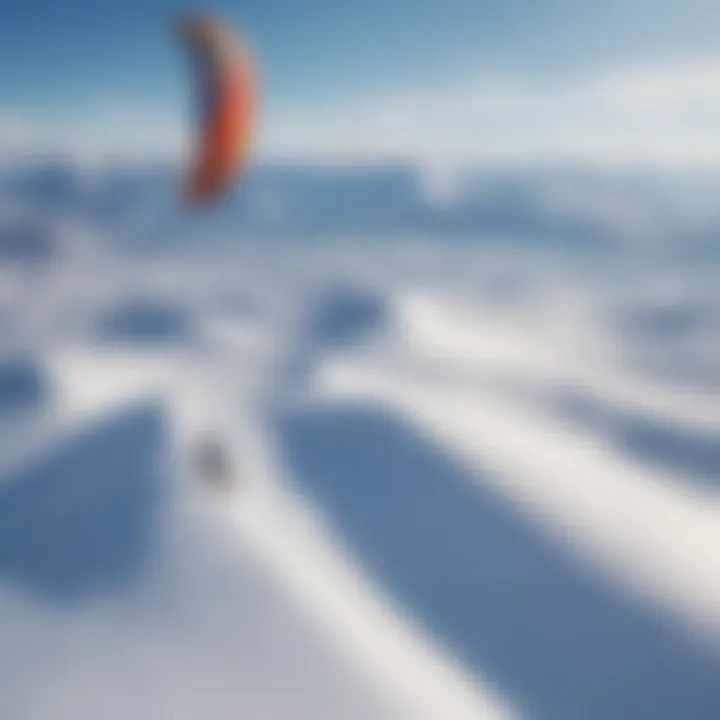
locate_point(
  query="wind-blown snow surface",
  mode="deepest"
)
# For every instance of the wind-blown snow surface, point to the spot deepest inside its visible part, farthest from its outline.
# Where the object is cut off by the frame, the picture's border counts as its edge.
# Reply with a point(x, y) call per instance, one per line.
point(476, 448)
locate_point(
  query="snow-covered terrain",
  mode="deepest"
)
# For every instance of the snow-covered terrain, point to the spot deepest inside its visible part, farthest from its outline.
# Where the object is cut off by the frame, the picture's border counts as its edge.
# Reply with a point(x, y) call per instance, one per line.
point(475, 447)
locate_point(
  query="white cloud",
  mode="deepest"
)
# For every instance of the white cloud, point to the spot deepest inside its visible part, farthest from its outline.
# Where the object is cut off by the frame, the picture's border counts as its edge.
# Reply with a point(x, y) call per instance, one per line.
point(107, 132)
point(666, 114)
point(20, 134)
point(120, 129)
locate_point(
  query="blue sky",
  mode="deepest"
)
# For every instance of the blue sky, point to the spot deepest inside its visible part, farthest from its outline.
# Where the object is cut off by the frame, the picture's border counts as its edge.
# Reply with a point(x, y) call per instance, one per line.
point(79, 64)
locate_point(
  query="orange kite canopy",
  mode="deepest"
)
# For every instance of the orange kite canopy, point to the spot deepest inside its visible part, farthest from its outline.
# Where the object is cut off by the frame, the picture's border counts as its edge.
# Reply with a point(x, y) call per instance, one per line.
point(227, 98)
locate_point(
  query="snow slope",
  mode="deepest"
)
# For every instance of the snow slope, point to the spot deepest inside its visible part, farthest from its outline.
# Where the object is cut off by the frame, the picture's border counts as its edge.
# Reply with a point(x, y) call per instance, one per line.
point(474, 479)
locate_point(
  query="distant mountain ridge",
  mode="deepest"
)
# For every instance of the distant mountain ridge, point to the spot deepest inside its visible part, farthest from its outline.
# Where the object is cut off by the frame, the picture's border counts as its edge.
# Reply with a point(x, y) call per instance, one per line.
point(570, 207)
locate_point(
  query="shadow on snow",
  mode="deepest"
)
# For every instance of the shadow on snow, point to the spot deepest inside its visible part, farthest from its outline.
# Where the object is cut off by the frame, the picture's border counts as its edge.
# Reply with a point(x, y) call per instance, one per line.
point(83, 519)
point(511, 603)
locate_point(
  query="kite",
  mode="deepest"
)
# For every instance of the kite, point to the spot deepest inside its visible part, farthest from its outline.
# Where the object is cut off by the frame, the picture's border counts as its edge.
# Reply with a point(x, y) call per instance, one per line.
point(226, 90)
